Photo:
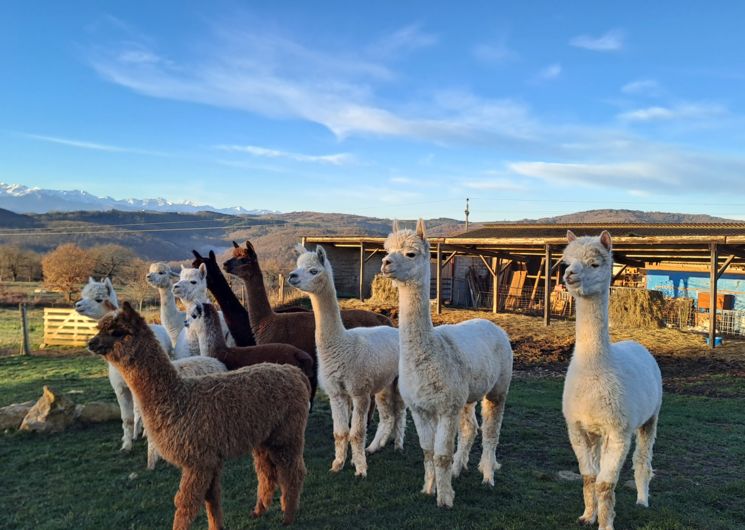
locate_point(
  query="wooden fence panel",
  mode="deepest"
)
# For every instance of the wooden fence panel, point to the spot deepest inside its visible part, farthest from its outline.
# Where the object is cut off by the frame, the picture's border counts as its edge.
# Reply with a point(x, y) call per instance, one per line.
point(66, 327)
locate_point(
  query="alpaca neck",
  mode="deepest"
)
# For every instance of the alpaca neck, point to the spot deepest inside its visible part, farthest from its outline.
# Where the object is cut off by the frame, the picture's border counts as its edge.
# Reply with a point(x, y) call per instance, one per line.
point(414, 318)
point(258, 301)
point(326, 313)
point(236, 316)
point(170, 316)
point(211, 340)
point(593, 339)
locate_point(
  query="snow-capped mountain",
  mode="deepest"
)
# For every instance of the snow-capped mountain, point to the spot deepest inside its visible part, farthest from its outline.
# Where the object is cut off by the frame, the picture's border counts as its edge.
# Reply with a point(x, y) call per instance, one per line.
point(23, 199)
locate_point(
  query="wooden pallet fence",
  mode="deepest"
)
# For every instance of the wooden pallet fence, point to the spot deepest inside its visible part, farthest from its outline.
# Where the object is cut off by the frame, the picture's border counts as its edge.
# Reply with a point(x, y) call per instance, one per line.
point(66, 327)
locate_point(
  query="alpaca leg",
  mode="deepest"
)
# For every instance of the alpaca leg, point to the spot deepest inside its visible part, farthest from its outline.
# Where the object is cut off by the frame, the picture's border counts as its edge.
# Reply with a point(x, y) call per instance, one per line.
point(191, 494)
point(126, 406)
point(340, 416)
point(384, 402)
point(291, 474)
point(469, 426)
point(152, 455)
point(139, 426)
point(642, 459)
point(212, 503)
point(425, 428)
point(358, 432)
point(586, 448)
point(444, 444)
point(399, 419)
point(613, 453)
point(492, 412)
point(266, 473)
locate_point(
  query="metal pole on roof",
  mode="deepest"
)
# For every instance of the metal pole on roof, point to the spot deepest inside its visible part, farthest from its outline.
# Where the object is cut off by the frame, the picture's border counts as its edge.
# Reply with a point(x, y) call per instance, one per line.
point(467, 213)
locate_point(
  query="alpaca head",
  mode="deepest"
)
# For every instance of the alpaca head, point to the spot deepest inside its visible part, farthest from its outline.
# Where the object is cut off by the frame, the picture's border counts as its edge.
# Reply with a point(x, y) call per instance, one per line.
point(192, 284)
point(97, 299)
point(117, 333)
point(313, 272)
point(194, 316)
point(244, 262)
point(589, 262)
point(407, 258)
point(210, 262)
point(160, 275)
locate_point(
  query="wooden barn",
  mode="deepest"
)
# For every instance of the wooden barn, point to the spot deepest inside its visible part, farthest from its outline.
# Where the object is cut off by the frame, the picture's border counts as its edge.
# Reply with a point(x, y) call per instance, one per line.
point(517, 266)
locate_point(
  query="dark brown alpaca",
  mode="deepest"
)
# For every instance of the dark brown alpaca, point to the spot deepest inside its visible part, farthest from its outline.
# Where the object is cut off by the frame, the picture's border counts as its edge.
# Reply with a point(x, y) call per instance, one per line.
point(204, 319)
point(268, 326)
point(197, 422)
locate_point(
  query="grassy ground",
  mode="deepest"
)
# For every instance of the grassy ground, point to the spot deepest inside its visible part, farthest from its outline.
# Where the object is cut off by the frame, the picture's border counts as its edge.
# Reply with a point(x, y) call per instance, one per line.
point(79, 479)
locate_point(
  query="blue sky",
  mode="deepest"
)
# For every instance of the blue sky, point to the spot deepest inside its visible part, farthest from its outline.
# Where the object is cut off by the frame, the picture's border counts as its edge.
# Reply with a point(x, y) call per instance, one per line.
point(402, 109)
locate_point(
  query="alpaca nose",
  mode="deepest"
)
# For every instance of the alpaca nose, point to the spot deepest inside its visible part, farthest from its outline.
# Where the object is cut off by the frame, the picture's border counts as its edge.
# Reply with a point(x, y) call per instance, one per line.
point(293, 278)
point(386, 260)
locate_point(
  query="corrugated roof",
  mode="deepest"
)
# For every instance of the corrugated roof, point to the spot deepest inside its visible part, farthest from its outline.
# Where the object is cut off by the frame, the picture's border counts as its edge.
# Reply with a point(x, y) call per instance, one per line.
point(520, 230)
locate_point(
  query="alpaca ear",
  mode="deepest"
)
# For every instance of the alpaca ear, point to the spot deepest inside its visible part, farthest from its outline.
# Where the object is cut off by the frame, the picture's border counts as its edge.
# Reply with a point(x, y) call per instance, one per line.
point(250, 248)
point(605, 239)
point(173, 274)
point(395, 226)
point(420, 229)
point(236, 245)
point(128, 310)
point(197, 255)
point(202, 271)
point(91, 280)
point(300, 249)
point(212, 256)
point(570, 236)
point(321, 253)
point(182, 266)
point(110, 288)
point(199, 309)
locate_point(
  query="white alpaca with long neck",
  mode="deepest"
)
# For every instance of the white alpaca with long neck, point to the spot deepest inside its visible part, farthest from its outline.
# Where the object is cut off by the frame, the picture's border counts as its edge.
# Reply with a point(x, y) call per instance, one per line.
point(445, 370)
point(162, 277)
point(611, 390)
point(97, 300)
point(190, 289)
point(353, 364)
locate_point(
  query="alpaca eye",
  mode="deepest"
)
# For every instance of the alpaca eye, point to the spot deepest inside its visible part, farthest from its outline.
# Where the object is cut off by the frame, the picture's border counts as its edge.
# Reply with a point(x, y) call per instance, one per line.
point(193, 282)
point(117, 333)
point(595, 265)
point(313, 271)
point(160, 273)
point(99, 300)
point(411, 254)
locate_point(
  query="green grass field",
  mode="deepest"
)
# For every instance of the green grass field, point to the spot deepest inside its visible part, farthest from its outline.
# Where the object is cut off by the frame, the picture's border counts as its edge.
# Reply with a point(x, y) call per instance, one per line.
point(79, 479)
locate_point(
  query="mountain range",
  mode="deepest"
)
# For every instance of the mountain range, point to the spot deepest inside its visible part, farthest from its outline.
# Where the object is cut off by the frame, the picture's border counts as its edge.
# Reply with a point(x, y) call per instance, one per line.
point(23, 199)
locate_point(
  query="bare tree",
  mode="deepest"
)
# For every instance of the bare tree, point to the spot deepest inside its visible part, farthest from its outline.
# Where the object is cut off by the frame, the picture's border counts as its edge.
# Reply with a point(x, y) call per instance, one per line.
point(66, 268)
point(111, 261)
point(17, 263)
point(133, 277)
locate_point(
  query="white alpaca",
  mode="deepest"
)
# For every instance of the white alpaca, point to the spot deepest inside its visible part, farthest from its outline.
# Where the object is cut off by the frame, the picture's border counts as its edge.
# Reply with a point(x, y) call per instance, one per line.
point(97, 300)
point(611, 390)
point(192, 288)
point(187, 367)
point(161, 277)
point(353, 364)
point(444, 370)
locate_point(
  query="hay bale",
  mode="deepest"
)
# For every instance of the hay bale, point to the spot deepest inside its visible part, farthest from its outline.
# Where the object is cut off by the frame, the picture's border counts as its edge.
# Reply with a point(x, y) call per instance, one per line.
point(636, 308)
point(383, 291)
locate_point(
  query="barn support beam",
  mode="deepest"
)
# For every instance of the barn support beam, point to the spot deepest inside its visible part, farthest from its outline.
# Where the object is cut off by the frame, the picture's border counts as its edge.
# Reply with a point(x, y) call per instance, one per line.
point(618, 274)
point(713, 294)
point(362, 271)
point(438, 286)
point(495, 286)
point(547, 287)
point(724, 266)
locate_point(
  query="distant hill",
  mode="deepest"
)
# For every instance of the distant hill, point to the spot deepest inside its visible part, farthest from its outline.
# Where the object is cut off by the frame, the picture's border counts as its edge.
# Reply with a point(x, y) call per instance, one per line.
point(628, 216)
point(23, 199)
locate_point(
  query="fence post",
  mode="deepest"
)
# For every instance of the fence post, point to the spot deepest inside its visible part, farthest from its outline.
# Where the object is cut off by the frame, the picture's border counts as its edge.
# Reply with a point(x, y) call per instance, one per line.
point(281, 289)
point(25, 346)
point(547, 288)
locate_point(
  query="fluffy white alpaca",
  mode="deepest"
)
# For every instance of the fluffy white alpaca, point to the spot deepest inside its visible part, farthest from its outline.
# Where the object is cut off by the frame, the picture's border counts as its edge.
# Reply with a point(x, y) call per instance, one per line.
point(353, 364)
point(188, 367)
point(444, 370)
point(161, 277)
point(611, 390)
point(97, 300)
point(192, 288)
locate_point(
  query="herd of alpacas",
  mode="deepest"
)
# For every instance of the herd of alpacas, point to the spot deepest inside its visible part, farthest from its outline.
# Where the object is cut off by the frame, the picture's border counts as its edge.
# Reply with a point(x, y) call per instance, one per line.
point(207, 385)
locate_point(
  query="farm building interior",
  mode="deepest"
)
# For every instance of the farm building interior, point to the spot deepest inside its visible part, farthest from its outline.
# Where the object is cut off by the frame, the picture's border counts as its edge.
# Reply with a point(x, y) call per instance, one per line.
point(517, 267)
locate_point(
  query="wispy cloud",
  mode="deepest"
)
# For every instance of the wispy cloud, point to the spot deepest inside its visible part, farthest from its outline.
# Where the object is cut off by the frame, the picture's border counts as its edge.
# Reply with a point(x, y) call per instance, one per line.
point(403, 40)
point(337, 159)
point(642, 87)
point(552, 71)
point(681, 111)
point(494, 52)
point(93, 146)
point(611, 41)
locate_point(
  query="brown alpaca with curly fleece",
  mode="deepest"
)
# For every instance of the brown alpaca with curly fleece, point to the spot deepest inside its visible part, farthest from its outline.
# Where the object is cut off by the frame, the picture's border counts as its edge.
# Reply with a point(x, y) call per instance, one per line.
point(204, 319)
point(197, 422)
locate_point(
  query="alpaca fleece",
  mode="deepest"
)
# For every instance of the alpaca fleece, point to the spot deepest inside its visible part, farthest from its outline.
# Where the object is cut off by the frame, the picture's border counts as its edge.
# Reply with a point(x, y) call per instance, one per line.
point(162, 277)
point(353, 365)
point(203, 318)
point(197, 422)
point(444, 370)
point(610, 391)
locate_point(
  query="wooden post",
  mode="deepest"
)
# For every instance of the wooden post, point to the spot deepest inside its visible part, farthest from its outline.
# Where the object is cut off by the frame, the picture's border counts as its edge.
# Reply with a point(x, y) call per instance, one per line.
point(438, 282)
point(281, 289)
point(25, 346)
point(495, 286)
point(713, 293)
point(547, 288)
point(362, 271)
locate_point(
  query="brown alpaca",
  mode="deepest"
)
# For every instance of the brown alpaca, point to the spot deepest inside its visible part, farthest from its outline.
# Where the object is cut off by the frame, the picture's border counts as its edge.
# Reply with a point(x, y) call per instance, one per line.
point(203, 318)
point(268, 326)
point(197, 422)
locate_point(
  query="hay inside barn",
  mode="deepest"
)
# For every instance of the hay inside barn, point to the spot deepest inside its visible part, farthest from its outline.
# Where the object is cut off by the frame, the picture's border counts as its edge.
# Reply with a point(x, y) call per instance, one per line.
point(383, 291)
point(636, 308)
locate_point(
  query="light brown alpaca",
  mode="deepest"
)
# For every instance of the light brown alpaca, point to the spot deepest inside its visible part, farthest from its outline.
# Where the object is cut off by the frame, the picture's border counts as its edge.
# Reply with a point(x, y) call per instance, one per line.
point(297, 329)
point(197, 422)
